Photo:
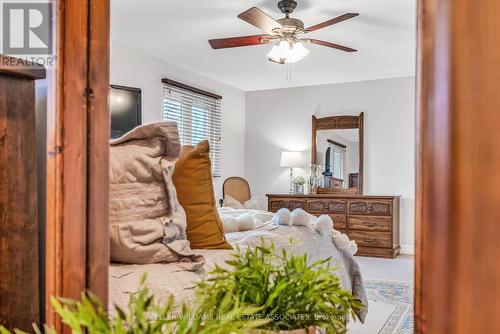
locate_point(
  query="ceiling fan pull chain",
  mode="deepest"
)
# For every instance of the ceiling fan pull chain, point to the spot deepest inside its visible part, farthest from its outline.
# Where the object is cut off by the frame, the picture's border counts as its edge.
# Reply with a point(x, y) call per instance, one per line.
point(288, 72)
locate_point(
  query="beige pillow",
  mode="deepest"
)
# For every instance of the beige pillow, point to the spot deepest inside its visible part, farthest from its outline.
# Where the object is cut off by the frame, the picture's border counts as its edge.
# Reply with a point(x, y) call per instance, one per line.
point(147, 223)
point(231, 202)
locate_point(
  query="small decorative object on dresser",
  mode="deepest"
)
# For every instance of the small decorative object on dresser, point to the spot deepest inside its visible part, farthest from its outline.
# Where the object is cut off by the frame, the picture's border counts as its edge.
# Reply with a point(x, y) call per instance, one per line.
point(315, 178)
point(335, 183)
point(298, 185)
point(372, 221)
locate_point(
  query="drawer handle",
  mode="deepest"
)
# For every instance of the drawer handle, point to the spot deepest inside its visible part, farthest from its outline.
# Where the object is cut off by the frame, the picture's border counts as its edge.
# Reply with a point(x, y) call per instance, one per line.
point(369, 223)
point(370, 240)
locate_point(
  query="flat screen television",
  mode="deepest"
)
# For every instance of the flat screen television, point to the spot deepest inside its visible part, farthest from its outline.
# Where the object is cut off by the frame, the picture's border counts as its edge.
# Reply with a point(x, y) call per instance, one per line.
point(125, 109)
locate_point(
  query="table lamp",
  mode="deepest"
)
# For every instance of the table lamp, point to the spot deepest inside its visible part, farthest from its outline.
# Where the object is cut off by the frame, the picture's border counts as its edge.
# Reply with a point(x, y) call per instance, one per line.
point(291, 160)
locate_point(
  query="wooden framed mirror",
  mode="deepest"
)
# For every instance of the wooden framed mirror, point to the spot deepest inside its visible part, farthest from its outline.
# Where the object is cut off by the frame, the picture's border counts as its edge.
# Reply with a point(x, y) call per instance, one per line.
point(337, 145)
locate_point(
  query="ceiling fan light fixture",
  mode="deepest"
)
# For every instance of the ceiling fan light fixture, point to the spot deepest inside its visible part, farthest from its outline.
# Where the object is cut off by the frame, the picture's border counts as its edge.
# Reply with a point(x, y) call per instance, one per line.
point(279, 51)
point(297, 53)
point(285, 52)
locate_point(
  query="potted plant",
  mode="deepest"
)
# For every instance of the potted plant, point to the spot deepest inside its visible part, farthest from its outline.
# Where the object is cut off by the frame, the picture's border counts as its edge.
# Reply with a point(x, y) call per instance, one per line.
point(290, 293)
point(259, 292)
point(298, 185)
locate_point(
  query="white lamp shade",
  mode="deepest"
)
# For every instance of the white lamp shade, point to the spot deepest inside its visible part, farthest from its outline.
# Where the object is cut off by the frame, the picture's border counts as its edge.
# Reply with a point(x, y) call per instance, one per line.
point(291, 159)
point(297, 53)
point(288, 52)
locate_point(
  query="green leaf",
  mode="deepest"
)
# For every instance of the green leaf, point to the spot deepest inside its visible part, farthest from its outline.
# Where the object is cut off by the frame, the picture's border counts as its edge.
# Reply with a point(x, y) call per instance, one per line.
point(4, 330)
point(278, 284)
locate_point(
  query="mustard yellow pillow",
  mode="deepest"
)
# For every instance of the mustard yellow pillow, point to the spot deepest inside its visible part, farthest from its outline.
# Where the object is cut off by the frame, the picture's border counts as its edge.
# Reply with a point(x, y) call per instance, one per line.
point(193, 181)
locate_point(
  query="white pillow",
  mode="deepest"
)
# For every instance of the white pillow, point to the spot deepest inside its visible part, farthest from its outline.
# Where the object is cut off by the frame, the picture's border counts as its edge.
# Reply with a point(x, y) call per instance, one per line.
point(252, 203)
point(231, 202)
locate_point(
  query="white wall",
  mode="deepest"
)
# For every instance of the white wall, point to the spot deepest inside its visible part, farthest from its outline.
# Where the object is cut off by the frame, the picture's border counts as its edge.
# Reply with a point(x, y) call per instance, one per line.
point(280, 120)
point(136, 69)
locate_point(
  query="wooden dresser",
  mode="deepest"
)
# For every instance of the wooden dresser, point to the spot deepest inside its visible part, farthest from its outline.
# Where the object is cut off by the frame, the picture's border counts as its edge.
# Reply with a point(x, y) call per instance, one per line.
point(373, 221)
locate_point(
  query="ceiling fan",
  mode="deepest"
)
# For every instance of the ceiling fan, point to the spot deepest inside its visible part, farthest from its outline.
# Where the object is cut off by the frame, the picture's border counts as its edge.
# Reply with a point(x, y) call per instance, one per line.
point(284, 33)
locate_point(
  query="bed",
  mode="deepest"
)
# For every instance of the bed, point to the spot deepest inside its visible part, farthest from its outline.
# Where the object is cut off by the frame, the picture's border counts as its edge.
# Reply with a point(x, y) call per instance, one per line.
point(170, 279)
point(162, 204)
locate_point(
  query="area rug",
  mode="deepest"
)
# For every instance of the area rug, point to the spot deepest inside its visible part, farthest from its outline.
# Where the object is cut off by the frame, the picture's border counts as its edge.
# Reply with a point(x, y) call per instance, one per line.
point(390, 309)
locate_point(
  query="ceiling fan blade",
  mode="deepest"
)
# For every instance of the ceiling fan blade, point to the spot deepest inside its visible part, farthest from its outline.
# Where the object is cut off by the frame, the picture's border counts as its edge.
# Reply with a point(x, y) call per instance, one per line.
point(328, 44)
point(332, 21)
point(234, 42)
point(261, 20)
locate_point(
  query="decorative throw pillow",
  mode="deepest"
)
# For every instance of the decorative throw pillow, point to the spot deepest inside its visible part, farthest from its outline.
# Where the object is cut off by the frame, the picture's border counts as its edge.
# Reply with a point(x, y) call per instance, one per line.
point(147, 224)
point(252, 203)
point(231, 202)
point(193, 181)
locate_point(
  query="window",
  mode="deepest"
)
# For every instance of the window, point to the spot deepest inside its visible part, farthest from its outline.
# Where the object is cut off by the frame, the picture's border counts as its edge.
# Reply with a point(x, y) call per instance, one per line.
point(337, 161)
point(197, 114)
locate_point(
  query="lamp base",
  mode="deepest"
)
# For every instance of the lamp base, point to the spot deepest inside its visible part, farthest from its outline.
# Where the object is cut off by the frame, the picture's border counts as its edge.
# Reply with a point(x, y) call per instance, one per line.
point(291, 181)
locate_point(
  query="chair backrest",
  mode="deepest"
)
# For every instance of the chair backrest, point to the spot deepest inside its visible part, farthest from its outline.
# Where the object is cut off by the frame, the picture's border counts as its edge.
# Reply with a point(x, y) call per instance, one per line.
point(238, 188)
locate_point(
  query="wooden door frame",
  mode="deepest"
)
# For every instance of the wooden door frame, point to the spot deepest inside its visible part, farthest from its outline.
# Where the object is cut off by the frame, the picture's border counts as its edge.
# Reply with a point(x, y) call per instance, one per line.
point(448, 113)
point(458, 163)
point(77, 240)
point(432, 159)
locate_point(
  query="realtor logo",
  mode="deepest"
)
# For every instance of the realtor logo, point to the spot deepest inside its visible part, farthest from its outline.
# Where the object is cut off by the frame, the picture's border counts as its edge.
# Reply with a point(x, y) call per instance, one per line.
point(27, 28)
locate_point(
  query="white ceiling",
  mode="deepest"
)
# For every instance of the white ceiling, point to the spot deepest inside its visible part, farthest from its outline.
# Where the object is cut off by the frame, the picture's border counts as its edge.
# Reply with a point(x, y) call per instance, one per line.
point(178, 31)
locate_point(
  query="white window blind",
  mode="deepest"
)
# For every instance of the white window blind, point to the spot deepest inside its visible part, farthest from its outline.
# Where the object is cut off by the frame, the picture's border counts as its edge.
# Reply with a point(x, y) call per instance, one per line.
point(198, 117)
point(338, 161)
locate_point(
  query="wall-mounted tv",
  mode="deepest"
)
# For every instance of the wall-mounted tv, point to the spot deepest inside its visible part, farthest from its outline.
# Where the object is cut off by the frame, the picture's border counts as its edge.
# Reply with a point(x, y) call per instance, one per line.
point(125, 109)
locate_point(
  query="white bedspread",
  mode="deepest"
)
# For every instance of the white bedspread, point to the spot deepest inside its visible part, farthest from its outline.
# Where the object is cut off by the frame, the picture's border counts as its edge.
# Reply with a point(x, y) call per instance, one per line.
point(166, 279)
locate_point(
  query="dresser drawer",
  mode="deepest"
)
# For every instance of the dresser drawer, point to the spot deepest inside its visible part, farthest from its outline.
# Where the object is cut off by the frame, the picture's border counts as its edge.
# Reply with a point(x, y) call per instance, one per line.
point(326, 206)
point(339, 221)
point(291, 204)
point(369, 223)
point(370, 207)
point(371, 239)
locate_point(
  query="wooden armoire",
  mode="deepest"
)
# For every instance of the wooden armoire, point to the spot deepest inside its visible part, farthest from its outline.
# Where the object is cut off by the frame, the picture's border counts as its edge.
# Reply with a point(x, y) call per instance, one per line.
point(19, 277)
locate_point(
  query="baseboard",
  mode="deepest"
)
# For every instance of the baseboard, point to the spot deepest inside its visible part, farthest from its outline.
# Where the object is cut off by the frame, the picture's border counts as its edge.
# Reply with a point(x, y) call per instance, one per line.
point(408, 249)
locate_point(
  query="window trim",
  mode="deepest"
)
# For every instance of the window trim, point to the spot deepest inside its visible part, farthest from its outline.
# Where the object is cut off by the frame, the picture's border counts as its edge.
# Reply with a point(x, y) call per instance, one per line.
point(190, 88)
